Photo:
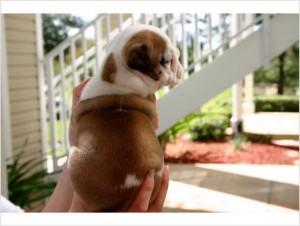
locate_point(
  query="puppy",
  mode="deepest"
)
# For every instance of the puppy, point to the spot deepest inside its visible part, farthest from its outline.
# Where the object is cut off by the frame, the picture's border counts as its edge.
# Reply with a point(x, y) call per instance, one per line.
point(116, 144)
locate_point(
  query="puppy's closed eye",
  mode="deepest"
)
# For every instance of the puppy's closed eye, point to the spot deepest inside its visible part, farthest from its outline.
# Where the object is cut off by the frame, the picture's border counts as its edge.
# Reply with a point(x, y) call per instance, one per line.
point(163, 61)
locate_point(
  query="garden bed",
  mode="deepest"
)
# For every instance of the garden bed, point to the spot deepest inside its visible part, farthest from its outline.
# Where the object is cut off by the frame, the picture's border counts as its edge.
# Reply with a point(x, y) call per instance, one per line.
point(185, 151)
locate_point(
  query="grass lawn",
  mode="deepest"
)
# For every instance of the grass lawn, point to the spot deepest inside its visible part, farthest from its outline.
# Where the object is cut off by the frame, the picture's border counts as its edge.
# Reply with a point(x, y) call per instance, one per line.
point(58, 128)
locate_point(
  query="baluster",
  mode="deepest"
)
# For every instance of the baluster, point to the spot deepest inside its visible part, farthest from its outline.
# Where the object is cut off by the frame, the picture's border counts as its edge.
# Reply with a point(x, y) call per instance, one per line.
point(155, 22)
point(163, 20)
point(144, 19)
point(171, 29)
point(84, 49)
point(210, 57)
point(52, 110)
point(97, 38)
point(132, 19)
point(184, 48)
point(120, 21)
point(221, 34)
point(197, 50)
point(63, 119)
point(73, 58)
point(107, 26)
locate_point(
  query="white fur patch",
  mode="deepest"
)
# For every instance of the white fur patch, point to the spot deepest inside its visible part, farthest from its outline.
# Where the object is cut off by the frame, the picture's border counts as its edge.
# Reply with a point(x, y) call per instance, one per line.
point(72, 150)
point(160, 172)
point(131, 181)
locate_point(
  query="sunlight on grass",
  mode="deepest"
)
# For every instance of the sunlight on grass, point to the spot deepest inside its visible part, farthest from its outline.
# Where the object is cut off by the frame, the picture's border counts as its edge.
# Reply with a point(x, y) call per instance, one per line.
point(60, 150)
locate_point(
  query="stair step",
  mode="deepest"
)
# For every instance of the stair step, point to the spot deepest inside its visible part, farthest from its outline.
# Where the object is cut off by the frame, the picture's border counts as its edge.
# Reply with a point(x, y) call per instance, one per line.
point(290, 143)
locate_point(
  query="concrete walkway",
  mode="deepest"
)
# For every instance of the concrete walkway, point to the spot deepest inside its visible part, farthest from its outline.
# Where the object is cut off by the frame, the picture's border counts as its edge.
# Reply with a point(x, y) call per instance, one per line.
point(233, 188)
point(238, 188)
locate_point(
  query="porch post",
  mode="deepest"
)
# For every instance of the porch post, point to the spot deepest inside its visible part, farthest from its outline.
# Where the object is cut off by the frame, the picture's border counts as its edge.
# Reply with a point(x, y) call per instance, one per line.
point(5, 124)
point(41, 79)
point(248, 105)
point(236, 119)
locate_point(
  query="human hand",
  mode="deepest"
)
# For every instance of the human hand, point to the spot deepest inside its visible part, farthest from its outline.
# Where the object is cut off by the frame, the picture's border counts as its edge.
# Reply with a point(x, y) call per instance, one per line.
point(76, 96)
point(142, 201)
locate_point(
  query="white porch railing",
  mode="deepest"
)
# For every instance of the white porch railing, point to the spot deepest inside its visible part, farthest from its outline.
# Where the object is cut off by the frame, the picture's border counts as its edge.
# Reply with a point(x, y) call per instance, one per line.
point(200, 37)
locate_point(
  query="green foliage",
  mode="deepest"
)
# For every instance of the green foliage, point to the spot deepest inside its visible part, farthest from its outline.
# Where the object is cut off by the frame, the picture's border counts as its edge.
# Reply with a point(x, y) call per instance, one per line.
point(214, 118)
point(277, 103)
point(221, 104)
point(259, 138)
point(56, 28)
point(182, 126)
point(240, 142)
point(28, 181)
point(209, 128)
point(290, 70)
point(219, 108)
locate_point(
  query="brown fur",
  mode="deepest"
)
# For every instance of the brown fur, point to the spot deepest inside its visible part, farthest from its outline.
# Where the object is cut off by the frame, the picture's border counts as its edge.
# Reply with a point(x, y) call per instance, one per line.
point(109, 69)
point(144, 52)
point(116, 137)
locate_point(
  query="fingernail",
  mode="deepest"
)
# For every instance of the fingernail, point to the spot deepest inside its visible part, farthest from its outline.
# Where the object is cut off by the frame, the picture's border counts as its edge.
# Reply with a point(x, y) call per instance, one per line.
point(167, 168)
point(151, 173)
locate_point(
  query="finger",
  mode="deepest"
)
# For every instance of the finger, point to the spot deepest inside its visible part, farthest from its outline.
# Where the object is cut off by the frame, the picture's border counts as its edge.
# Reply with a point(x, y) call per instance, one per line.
point(142, 200)
point(77, 205)
point(76, 96)
point(77, 91)
point(158, 203)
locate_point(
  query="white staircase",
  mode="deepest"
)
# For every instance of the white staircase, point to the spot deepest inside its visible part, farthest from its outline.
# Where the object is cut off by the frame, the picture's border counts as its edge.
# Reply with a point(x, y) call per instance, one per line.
point(217, 62)
point(244, 58)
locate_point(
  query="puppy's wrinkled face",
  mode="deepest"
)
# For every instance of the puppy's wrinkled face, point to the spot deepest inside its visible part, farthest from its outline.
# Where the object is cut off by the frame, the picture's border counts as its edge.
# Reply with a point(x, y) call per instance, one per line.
point(153, 56)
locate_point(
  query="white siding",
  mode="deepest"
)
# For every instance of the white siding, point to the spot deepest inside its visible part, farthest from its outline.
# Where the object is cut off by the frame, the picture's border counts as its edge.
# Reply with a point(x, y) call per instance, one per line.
point(23, 82)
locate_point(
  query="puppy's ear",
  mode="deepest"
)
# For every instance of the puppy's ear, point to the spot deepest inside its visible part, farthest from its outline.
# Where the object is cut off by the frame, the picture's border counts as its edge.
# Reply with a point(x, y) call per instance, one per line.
point(138, 59)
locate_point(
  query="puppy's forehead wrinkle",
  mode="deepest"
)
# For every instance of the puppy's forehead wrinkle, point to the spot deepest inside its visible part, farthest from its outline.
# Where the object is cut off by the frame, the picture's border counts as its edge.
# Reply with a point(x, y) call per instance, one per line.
point(151, 41)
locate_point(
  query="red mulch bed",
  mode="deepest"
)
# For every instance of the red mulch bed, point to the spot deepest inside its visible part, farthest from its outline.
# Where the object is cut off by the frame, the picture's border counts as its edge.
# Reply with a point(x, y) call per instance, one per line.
point(185, 151)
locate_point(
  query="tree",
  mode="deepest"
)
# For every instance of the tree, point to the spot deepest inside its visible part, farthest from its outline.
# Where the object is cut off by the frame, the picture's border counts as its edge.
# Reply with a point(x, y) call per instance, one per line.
point(56, 28)
point(281, 75)
point(284, 71)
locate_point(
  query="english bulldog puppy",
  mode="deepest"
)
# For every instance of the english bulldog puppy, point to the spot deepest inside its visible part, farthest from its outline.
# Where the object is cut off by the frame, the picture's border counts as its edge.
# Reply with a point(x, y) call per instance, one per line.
point(116, 144)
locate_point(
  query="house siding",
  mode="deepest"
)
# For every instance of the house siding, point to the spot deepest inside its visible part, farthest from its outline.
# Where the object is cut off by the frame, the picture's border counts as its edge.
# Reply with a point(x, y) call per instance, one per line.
point(23, 82)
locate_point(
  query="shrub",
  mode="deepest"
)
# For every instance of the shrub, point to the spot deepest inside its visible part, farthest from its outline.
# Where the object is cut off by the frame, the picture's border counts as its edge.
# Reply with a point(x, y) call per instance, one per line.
point(221, 104)
point(259, 138)
point(209, 128)
point(180, 127)
point(277, 103)
point(28, 181)
point(240, 142)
